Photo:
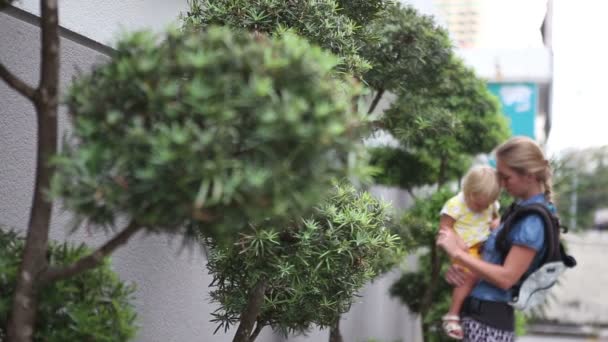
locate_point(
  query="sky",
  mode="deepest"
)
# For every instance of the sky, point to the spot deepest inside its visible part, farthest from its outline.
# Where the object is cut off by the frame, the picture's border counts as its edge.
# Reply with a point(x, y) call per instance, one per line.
point(580, 116)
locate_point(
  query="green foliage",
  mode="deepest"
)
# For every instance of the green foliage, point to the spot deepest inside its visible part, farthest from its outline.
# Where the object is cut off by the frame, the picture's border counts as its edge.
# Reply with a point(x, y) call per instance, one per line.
point(450, 122)
point(92, 306)
point(420, 224)
point(319, 21)
point(363, 11)
point(410, 289)
point(396, 165)
point(402, 168)
point(459, 114)
point(313, 268)
point(504, 201)
point(211, 131)
point(406, 50)
point(521, 322)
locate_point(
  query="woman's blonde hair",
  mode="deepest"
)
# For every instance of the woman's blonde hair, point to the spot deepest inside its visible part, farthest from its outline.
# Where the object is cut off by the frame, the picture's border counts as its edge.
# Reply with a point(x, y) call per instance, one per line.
point(524, 156)
point(481, 180)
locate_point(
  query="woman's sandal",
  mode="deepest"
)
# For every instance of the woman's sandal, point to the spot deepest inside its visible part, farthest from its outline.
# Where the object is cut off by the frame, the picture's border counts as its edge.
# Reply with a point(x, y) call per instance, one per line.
point(451, 326)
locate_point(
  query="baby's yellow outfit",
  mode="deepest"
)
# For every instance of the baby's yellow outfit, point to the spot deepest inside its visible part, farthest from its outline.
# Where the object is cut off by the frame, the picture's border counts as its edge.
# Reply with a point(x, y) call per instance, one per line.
point(472, 227)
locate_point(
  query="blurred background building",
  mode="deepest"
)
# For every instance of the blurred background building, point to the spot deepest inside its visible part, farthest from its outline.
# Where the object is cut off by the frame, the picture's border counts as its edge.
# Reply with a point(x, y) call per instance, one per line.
point(508, 43)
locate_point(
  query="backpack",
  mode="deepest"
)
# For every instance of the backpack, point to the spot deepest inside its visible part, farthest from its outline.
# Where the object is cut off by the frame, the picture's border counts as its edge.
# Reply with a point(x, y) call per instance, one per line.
point(534, 286)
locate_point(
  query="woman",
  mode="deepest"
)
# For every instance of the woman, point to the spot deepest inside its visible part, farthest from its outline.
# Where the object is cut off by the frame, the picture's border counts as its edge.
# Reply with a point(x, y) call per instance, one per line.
point(525, 173)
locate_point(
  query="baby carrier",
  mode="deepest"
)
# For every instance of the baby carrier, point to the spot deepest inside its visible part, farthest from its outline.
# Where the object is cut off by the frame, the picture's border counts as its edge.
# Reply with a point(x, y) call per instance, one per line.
point(534, 286)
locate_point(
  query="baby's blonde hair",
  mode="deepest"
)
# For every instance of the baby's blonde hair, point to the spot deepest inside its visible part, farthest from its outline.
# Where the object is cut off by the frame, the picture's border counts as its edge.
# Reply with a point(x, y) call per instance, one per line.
point(481, 180)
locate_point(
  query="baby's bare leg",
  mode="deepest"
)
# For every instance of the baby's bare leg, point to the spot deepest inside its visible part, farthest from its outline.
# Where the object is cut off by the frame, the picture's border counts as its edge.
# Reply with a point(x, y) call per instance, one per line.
point(460, 293)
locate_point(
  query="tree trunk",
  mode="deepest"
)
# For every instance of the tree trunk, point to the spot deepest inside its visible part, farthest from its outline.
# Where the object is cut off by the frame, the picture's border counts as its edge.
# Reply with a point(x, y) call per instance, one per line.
point(334, 332)
point(427, 298)
point(412, 194)
point(250, 315)
point(23, 312)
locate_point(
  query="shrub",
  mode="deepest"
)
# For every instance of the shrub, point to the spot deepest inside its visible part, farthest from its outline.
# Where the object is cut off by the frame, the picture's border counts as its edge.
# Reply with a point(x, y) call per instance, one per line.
point(209, 131)
point(92, 306)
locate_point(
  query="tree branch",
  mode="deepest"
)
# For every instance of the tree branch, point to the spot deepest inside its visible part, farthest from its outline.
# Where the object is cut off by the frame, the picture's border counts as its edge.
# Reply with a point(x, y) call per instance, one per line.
point(334, 332)
point(16, 83)
point(49, 52)
point(92, 260)
point(375, 101)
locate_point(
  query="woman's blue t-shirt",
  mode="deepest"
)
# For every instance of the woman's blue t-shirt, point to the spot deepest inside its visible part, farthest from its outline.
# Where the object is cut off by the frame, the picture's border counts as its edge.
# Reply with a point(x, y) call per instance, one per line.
point(528, 232)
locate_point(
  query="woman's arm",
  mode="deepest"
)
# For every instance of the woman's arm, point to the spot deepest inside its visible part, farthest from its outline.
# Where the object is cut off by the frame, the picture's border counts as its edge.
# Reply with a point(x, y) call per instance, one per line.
point(504, 276)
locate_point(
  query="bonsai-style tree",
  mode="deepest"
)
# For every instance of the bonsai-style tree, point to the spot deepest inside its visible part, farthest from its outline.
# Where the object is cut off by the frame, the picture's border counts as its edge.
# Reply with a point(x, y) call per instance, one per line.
point(188, 133)
point(438, 130)
point(307, 273)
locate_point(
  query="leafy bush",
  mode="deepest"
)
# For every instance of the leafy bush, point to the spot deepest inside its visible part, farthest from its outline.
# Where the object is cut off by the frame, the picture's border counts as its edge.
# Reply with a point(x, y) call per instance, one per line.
point(92, 306)
point(211, 131)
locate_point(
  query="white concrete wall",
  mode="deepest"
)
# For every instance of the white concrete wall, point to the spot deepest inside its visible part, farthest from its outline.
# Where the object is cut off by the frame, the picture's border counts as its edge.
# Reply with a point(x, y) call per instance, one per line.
point(104, 20)
point(172, 297)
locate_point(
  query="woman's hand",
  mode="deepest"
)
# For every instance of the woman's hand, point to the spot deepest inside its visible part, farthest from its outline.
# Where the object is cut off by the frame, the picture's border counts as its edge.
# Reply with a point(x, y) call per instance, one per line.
point(450, 242)
point(455, 275)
